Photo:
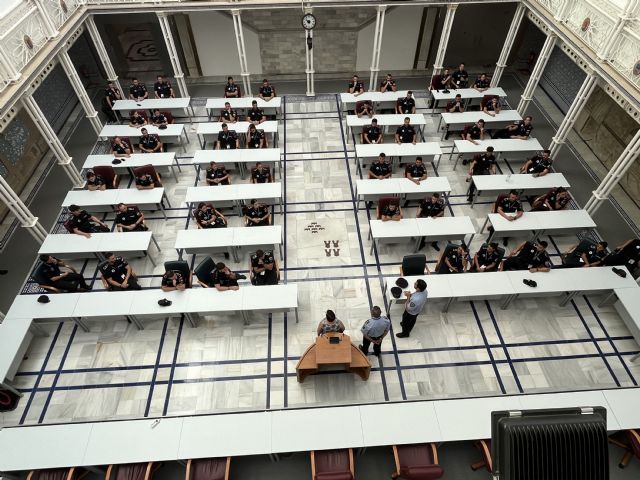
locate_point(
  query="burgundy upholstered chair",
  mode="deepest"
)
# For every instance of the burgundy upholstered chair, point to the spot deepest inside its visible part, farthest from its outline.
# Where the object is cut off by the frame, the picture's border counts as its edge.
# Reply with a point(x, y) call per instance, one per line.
point(109, 174)
point(148, 169)
point(208, 469)
point(132, 471)
point(485, 449)
point(57, 474)
point(417, 462)
point(630, 441)
point(332, 464)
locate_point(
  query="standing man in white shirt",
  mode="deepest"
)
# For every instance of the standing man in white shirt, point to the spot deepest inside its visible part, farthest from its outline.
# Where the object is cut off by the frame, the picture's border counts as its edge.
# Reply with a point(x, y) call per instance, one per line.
point(412, 307)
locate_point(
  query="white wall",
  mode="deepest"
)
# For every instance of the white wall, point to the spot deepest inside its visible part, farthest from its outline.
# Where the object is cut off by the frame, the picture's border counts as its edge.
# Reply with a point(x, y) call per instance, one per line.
point(216, 44)
point(399, 40)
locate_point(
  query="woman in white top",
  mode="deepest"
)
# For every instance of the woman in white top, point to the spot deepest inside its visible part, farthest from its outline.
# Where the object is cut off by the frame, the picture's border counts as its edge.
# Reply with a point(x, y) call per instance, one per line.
point(330, 324)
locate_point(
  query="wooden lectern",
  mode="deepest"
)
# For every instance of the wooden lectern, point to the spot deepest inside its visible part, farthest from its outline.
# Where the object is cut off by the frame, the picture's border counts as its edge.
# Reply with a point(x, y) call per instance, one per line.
point(334, 353)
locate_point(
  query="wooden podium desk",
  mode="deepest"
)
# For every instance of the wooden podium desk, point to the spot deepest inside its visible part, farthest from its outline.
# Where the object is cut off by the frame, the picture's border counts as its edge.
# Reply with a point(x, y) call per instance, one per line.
point(343, 355)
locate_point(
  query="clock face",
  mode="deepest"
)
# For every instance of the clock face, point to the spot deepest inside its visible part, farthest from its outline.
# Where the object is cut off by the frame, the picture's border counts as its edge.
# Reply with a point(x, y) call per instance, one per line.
point(308, 21)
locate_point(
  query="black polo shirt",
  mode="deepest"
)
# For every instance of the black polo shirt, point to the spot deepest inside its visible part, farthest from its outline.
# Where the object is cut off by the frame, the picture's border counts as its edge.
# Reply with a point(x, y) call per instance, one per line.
point(373, 133)
point(82, 222)
point(380, 168)
point(522, 129)
point(51, 270)
point(256, 138)
point(120, 149)
point(485, 258)
point(111, 94)
point(137, 91)
point(388, 212)
point(150, 141)
point(457, 106)
point(160, 118)
point(144, 180)
point(256, 114)
point(594, 256)
point(219, 277)
point(267, 259)
point(116, 271)
point(460, 78)
point(406, 133)
point(430, 209)
point(484, 163)
point(129, 216)
point(217, 172)
point(389, 85)
point(482, 83)
point(489, 107)
point(416, 171)
point(257, 212)
point(527, 252)
point(357, 87)
point(539, 164)
point(137, 120)
point(227, 139)
point(162, 89)
point(262, 175)
point(509, 206)
point(230, 88)
point(361, 106)
point(555, 202)
point(206, 216)
point(406, 104)
point(455, 259)
point(172, 282)
point(228, 114)
point(97, 181)
point(266, 91)
point(540, 259)
point(475, 132)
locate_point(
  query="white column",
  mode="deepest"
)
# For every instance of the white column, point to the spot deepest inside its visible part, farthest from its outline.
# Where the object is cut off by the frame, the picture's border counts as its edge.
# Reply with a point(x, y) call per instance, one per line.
point(242, 52)
point(617, 171)
point(52, 140)
point(102, 54)
point(377, 47)
point(444, 39)
point(309, 70)
point(21, 212)
point(50, 28)
point(508, 43)
point(7, 66)
point(625, 16)
point(569, 120)
point(77, 85)
point(536, 74)
point(165, 26)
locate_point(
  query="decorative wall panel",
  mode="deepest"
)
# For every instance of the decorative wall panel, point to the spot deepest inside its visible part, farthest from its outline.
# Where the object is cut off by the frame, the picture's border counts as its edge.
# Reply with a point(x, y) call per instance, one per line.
point(562, 79)
point(56, 98)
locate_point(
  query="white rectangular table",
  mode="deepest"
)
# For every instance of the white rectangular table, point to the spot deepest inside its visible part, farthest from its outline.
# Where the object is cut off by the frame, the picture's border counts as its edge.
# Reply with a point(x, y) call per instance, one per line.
point(623, 404)
point(368, 189)
point(500, 145)
point(181, 103)
point(111, 198)
point(427, 150)
point(561, 222)
point(349, 100)
point(15, 336)
point(172, 134)
point(160, 159)
point(467, 94)
point(240, 156)
point(355, 123)
point(468, 118)
point(522, 182)
point(209, 131)
point(270, 193)
point(214, 105)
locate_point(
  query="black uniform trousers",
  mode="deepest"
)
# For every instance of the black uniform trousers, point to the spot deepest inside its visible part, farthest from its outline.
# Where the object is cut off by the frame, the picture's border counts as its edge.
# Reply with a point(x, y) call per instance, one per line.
point(376, 347)
point(70, 282)
point(408, 322)
point(515, 263)
point(133, 285)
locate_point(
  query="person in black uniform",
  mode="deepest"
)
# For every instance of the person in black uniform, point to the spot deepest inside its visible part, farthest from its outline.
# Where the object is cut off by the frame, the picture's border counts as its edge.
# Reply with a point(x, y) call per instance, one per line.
point(372, 133)
point(482, 83)
point(255, 115)
point(264, 268)
point(261, 173)
point(520, 130)
point(473, 133)
point(492, 107)
point(406, 105)
point(158, 118)
point(509, 208)
point(231, 90)
point(416, 172)
point(228, 114)
point(455, 261)
point(208, 217)
point(172, 280)
point(84, 224)
point(137, 91)
point(129, 218)
point(144, 181)
point(149, 143)
point(627, 254)
point(486, 259)
point(227, 139)
point(256, 138)
point(380, 168)
point(528, 256)
point(217, 175)
point(364, 107)
point(445, 80)
point(118, 273)
point(222, 278)
point(539, 165)
point(257, 214)
point(590, 257)
point(554, 199)
point(430, 207)
point(266, 91)
point(136, 120)
point(121, 148)
point(391, 212)
point(388, 84)
point(70, 281)
point(406, 133)
point(456, 105)
point(356, 86)
point(162, 88)
point(111, 95)
point(95, 182)
point(460, 78)
point(482, 164)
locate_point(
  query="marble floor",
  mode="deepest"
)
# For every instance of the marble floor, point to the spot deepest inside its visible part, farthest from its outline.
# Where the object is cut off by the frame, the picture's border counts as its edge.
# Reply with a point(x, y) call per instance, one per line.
point(169, 368)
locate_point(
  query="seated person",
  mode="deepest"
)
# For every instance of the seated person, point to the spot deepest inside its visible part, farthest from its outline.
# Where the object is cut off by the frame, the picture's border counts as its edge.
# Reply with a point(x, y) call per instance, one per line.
point(372, 133)
point(144, 181)
point(482, 164)
point(121, 148)
point(474, 132)
point(118, 274)
point(388, 84)
point(136, 120)
point(149, 143)
point(129, 218)
point(227, 139)
point(416, 172)
point(208, 217)
point(456, 105)
point(460, 77)
point(84, 224)
point(162, 88)
point(539, 165)
point(520, 130)
point(492, 107)
point(266, 91)
point(217, 175)
point(391, 212)
point(255, 115)
point(70, 281)
point(406, 133)
point(158, 118)
point(380, 168)
point(592, 256)
point(95, 182)
point(173, 280)
point(330, 324)
point(364, 107)
point(231, 90)
point(430, 207)
point(257, 214)
point(444, 81)
point(554, 199)
point(264, 268)
point(486, 259)
point(455, 261)
point(406, 105)
point(356, 86)
point(228, 114)
point(256, 138)
point(510, 209)
point(528, 256)
point(482, 83)
point(224, 279)
point(138, 91)
point(627, 254)
point(261, 173)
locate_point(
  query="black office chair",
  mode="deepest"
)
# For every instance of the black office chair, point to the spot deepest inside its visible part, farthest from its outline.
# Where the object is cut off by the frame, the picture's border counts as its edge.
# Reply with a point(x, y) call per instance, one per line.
point(573, 259)
point(414, 265)
point(203, 271)
point(180, 266)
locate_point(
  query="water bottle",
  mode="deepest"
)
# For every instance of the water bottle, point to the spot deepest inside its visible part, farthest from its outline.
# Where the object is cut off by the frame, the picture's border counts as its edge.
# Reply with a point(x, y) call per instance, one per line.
point(509, 177)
